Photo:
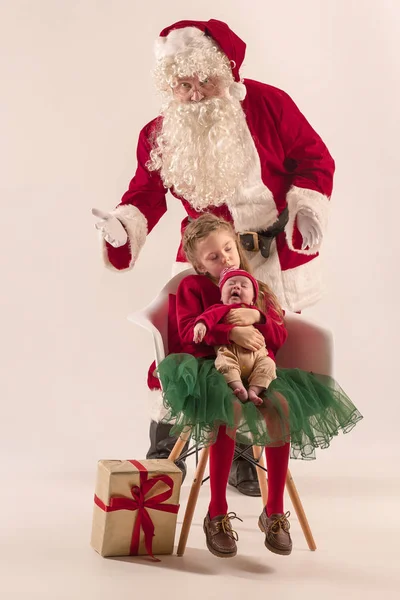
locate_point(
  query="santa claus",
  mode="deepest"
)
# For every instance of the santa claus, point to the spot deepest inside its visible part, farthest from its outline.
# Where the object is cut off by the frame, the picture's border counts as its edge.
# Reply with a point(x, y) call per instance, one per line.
point(235, 147)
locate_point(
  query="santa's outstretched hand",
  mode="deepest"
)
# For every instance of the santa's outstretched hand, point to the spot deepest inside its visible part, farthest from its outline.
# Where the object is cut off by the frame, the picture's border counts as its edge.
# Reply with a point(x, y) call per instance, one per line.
point(111, 228)
point(309, 227)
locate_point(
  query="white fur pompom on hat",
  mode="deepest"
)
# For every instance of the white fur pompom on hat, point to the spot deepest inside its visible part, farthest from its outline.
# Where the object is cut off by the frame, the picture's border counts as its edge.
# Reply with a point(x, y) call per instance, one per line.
point(179, 41)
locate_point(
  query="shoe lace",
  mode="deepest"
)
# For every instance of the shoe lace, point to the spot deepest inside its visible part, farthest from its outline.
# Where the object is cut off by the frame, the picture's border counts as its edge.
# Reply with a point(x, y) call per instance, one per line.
point(225, 525)
point(281, 523)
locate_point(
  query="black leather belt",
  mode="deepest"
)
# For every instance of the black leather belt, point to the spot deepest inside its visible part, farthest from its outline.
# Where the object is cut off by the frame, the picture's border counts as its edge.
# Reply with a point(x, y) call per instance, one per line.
point(260, 241)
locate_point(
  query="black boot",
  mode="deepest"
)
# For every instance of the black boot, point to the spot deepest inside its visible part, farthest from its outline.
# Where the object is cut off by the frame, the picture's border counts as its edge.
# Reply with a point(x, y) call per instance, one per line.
point(243, 475)
point(161, 444)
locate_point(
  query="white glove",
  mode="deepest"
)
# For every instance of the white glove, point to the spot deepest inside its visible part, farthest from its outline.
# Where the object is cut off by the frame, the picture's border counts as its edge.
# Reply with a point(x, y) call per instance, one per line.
point(309, 227)
point(111, 228)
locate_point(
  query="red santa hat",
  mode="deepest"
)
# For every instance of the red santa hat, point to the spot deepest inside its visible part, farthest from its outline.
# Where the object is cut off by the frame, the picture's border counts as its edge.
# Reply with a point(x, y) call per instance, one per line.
point(185, 36)
point(230, 272)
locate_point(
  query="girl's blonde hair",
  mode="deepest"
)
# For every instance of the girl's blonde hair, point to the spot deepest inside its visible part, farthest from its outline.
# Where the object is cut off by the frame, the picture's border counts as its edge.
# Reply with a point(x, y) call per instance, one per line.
point(199, 229)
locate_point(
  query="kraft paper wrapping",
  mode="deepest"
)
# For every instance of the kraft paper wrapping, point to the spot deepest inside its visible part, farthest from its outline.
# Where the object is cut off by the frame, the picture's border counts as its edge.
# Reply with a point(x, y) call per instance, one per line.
point(112, 531)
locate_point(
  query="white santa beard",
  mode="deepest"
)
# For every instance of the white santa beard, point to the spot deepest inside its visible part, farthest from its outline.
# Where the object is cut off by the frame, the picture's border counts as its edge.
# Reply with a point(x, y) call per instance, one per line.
point(204, 150)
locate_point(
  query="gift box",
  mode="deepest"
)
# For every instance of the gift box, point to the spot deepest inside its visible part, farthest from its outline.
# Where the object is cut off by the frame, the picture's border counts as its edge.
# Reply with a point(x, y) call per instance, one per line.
point(136, 506)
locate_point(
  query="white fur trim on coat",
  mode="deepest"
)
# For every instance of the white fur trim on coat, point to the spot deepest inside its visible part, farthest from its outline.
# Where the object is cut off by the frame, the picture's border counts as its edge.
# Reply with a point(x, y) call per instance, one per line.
point(181, 40)
point(135, 224)
point(303, 285)
point(298, 198)
point(157, 409)
point(253, 206)
point(296, 288)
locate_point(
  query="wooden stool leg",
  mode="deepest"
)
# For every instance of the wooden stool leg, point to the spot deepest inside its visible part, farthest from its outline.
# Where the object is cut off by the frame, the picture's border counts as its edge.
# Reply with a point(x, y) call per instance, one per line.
point(298, 507)
point(258, 453)
point(192, 500)
point(179, 445)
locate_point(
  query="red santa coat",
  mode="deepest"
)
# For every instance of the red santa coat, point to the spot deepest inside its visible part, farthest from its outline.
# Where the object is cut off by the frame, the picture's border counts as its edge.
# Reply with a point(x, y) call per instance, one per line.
point(196, 294)
point(295, 169)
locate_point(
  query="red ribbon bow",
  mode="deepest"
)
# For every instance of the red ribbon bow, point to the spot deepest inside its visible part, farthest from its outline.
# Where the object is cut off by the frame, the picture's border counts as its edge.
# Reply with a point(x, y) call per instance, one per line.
point(140, 503)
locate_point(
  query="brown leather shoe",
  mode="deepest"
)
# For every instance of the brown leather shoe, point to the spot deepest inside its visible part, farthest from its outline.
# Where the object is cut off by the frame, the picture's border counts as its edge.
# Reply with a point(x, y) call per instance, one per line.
point(276, 529)
point(220, 537)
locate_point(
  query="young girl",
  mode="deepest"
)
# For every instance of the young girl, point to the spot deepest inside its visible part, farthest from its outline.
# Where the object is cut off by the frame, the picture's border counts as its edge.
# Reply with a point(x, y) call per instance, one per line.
point(307, 408)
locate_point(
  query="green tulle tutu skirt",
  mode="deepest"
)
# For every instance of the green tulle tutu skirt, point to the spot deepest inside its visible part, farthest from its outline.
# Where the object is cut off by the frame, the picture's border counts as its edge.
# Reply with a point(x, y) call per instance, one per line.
point(301, 407)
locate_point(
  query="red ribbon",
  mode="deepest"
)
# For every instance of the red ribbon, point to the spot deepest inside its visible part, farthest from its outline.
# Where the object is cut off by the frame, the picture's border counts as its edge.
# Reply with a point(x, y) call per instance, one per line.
point(140, 503)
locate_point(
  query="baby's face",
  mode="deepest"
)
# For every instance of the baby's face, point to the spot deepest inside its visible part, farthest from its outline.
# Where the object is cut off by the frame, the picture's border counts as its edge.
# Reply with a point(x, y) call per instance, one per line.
point(237, 290)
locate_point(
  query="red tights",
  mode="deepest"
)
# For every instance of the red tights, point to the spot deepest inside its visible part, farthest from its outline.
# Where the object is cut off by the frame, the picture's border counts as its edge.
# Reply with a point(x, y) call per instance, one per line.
point(221, 456)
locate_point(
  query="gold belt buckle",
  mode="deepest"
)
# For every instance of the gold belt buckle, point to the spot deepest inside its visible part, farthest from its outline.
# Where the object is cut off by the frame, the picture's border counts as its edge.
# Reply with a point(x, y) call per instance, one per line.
point(254, 235)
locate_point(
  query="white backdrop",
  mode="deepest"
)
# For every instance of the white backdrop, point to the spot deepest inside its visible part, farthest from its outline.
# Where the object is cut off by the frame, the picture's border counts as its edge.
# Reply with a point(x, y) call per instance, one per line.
point(76, 90)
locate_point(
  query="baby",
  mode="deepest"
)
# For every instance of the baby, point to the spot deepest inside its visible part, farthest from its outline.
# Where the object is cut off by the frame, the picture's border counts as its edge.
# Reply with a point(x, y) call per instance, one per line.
point(239, 289)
